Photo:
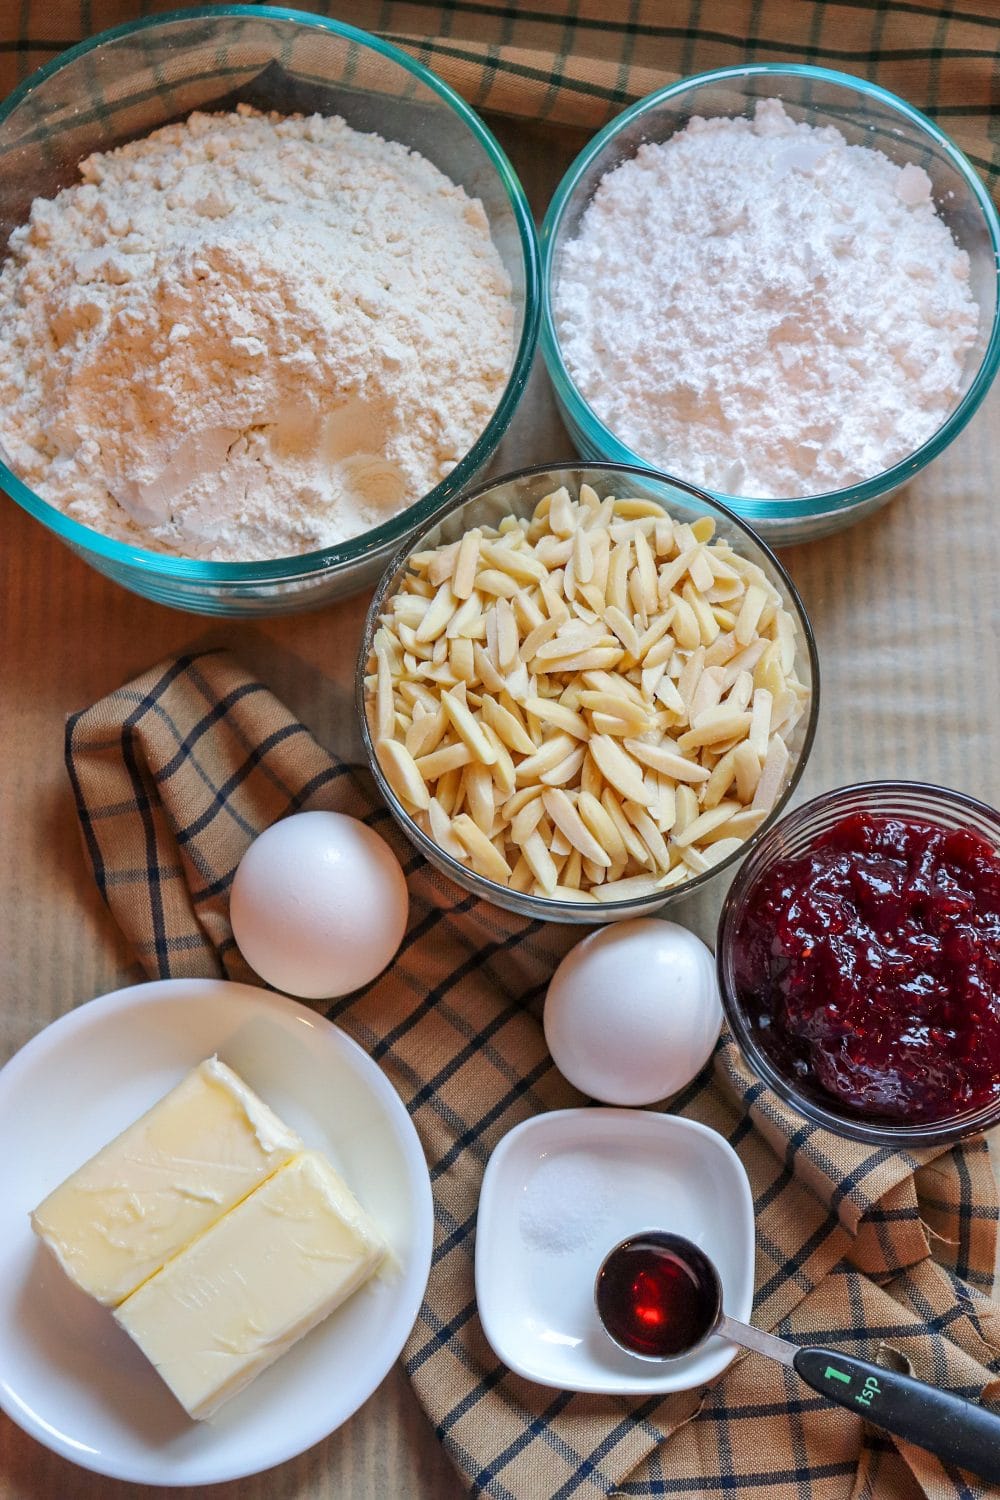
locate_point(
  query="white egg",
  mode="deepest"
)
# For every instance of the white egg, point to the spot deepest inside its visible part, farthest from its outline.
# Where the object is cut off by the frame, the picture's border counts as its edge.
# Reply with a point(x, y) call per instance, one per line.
point(319, 905)
point(633, 1011)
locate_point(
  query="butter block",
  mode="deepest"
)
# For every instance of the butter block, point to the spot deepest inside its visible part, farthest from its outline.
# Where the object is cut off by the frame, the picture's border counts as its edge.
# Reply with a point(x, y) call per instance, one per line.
point(247, 1289)
point(169, 1176)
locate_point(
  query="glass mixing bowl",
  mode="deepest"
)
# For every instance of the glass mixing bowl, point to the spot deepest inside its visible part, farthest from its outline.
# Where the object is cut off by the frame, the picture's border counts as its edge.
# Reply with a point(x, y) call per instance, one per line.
point(787, 839)
point(517, 494)
point(866, 115)
point(135, 78)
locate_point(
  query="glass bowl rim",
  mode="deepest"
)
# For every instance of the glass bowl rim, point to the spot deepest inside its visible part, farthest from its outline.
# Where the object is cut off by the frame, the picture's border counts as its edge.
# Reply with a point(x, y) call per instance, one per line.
point(546, 907)
point(300, 566)
point(755, 508)
point(856, 1128)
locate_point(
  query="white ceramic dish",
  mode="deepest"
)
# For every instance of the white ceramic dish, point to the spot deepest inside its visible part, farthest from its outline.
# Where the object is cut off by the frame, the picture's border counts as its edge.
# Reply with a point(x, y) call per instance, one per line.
point(559, 1192)
point(68, 1374)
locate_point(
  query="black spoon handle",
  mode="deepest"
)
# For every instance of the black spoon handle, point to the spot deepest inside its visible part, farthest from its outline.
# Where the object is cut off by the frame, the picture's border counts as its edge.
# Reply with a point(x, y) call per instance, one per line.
point(956, 1430)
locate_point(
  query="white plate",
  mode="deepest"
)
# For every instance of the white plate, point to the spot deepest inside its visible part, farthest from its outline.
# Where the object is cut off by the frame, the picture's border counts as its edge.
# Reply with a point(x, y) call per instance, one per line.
point(563, 1189)
point(68, 1374)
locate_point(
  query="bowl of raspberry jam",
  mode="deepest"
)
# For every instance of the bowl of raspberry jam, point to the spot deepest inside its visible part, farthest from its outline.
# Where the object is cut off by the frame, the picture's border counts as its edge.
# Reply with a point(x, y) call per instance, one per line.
point(859, 962)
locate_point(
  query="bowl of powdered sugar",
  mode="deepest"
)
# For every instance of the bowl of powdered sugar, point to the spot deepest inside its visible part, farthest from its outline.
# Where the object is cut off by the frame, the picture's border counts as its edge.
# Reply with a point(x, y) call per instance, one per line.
point(778, 283)
point(269, 301)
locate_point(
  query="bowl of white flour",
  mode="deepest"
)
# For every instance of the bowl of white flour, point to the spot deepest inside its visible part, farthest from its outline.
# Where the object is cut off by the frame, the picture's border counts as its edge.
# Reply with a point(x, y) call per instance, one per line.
point(778, 283)
point(269, 300)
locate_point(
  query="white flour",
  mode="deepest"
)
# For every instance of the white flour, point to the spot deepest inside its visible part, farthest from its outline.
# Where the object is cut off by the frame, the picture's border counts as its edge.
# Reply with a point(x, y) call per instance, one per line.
point(764, 310)
point(247, 336)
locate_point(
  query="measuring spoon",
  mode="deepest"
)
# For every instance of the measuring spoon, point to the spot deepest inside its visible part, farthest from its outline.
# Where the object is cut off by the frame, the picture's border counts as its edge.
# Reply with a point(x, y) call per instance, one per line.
point(658, 1297)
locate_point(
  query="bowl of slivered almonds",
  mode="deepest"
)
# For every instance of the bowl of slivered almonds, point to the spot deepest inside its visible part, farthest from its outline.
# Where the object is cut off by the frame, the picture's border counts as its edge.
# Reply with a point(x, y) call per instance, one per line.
point(586, 691)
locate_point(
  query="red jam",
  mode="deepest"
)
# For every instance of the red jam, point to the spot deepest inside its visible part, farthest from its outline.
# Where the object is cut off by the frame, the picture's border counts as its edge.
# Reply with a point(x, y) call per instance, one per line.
point(870, 966)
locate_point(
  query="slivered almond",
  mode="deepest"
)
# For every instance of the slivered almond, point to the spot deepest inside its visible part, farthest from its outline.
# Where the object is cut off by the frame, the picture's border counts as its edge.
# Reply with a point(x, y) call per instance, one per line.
point(618, 706)
point(493, 581)
point(668, 761)
point(606, 682)
point(583, 557)
point(467, 728)
point(715, 724)
point(401, 773)
point(442, 832)
point(461, 659)
point(446, 758)
point(708, 692)
point(484, 857)
point(463, 579)
point(540, 861)
point(508, 726)
point(507, 637)
point(601, 825)
point(631, 840)
point(551, 753)
point(686, 628)
point(488, 674)
point(722, 777)
point(467, 619)
point(435, 621)
point(700, 572)
point(566, 818)
point(516, 562)
point(424, 735)
point(627, 890)
point(760, 723)
point(595, 657)
point(561, 520)
point(664, 808)
point(527, 819)
point(479, 796)
point(440, 562)
point(754, 601)
point(667, 694)
point(687, 809)
point(552, 712)
point(623, 629)
point(704, 824)
point(772, 775)
point(747, 766)
point(538, 637)
point(564, 771)
point(385, 708)
point(502, 771)
point(649, 833)
point(708, 625)
point(647, 574)
point(619, 768)
point(740, 691)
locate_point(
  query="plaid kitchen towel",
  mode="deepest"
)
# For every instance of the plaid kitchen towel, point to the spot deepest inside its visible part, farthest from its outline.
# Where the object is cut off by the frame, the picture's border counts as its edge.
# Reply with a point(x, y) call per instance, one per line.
point(579, 62)
point(176, 773)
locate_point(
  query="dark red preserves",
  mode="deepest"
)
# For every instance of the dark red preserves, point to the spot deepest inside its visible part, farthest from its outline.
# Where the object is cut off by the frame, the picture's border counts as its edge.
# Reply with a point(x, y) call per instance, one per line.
point(870, 966)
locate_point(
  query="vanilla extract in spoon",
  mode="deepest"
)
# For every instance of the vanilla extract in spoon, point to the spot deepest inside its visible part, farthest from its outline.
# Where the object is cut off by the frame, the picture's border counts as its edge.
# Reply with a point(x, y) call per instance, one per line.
point(659, 1297)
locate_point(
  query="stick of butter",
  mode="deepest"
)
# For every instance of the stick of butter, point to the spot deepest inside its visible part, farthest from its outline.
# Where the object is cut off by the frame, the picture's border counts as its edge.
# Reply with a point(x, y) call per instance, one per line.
point(169, 1176)
point(247, 1289)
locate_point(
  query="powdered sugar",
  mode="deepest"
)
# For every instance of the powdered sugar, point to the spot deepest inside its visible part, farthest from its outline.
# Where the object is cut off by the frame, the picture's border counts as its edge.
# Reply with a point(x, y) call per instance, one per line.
point(762, 309)
point(248, 336)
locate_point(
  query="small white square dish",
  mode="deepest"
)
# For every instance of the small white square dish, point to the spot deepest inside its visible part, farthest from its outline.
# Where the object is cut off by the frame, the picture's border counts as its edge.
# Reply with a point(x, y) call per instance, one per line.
point(563, 1189)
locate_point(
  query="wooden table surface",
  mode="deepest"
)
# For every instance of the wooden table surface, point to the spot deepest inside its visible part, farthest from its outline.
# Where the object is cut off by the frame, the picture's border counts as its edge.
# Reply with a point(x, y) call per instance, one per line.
point(905, 612)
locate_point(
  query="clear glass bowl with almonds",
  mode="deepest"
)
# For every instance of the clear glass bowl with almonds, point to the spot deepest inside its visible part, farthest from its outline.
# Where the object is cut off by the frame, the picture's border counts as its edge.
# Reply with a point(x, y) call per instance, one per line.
point(586, 690)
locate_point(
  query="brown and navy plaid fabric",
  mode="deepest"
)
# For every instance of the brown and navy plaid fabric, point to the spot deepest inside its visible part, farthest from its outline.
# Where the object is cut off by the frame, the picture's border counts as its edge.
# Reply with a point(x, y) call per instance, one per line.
point(176, 773)
point(579, 62)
